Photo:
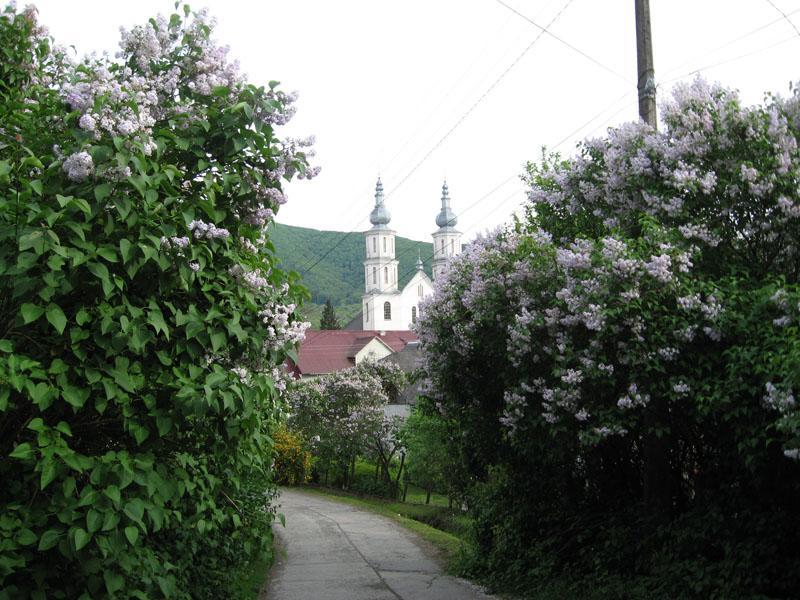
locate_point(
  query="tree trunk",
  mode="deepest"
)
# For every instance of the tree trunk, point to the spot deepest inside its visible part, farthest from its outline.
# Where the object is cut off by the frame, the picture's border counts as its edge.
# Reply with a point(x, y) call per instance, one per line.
point(428, 498)
point(405, 490)
point(377, 469)
point(400, 471)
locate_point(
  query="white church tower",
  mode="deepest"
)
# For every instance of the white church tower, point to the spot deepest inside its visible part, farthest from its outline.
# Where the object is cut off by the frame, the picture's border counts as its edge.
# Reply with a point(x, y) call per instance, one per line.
point(446, 239)
point(380, 269)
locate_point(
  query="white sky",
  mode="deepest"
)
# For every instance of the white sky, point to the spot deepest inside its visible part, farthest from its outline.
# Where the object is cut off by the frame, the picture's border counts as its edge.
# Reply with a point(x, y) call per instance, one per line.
point(382, 82)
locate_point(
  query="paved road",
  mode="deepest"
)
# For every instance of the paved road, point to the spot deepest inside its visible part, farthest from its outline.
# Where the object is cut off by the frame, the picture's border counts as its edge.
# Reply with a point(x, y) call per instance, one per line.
point(334, 551)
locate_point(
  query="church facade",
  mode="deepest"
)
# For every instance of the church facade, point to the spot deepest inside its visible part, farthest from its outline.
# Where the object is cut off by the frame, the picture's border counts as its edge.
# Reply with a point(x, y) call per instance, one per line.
point(385, 306)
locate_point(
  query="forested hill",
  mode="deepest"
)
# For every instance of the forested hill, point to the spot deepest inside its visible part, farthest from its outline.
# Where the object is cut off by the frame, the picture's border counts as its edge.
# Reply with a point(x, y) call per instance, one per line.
point(339, 275)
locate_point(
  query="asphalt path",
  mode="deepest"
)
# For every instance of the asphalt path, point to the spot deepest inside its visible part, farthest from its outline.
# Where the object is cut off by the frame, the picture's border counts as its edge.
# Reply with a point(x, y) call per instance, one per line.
point(333, 551)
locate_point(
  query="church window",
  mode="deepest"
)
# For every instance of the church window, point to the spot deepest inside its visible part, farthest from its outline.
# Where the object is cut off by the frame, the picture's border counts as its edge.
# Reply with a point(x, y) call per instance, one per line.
point(442, 245)
point(385, 274)
point(366, 312)
point(419, 290)
point(384, 244)
point(387, 311)
point(452, 247)
point(374, 275)
point(374, 244)
point(413, 314)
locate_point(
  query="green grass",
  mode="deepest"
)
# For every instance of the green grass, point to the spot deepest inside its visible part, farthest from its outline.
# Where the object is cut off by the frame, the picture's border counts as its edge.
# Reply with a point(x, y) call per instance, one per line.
point(410, 516)
point(251, 580)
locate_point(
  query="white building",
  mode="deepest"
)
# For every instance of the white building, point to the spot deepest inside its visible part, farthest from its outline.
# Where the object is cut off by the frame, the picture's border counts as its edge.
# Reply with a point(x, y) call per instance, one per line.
point(385, 307)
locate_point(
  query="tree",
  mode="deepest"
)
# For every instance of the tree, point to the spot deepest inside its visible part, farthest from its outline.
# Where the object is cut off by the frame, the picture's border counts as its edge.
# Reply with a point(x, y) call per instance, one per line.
point(329, 320)
point(341, 416)
point(650, 294)
point(144, 319)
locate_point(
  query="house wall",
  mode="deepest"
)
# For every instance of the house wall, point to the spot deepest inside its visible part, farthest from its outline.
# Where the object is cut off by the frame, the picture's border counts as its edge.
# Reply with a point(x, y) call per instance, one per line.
point(374, 350)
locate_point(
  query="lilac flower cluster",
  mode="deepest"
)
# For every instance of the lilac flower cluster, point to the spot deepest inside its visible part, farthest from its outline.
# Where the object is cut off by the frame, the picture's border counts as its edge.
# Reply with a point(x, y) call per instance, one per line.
point(669, 175)
point(572, 326)
point(209, 231)
point(78, 166)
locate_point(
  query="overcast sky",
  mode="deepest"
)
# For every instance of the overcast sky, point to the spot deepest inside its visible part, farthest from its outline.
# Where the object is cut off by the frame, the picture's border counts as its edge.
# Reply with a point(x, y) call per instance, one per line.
point(400, 88)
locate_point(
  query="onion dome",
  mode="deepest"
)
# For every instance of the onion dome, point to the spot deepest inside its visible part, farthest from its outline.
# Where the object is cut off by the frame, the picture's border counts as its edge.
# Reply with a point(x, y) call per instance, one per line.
point(446, 217)
point(420, 266)
point(379, 215)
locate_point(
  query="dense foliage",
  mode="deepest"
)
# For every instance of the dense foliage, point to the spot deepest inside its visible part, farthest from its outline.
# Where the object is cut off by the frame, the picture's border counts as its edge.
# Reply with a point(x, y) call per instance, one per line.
point(341, 416)
point(143, 318)
point(339, 275)
point(617, 372)
point(424, 434)
point(292, 462)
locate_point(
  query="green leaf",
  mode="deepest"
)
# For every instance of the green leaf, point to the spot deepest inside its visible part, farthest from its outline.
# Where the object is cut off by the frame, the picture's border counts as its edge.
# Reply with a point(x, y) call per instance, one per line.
point(48, 473)
point(6, 346)
point(49, 539)
point(94, 519)
point(132, 533)
point(64, 428)
point(36, 186)
point(74, 396)
point(31, 312)
point(218, 340)
point(23, 452)
point(26, 537)
point(56, 317)
point(114, 581)
point(112, 492)
point(81, 537)
point(134, 509)
point(125, 249)
point(108, 253)
point(102, 191)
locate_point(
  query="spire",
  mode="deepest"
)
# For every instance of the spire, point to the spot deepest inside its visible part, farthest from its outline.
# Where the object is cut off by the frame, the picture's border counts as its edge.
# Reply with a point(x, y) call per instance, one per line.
point(446, 217)
point(379, 215)
point(420, 266)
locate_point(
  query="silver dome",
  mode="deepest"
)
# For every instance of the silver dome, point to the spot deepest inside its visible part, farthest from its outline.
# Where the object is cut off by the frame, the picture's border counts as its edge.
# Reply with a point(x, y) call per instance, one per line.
point(380, 214)
point(446, 217)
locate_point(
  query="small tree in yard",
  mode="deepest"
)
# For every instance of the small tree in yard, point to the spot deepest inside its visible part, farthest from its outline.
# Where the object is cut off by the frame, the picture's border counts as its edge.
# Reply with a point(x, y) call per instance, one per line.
point(424, 436)
point(329, 320)
point(143, 319)
point(341, 415)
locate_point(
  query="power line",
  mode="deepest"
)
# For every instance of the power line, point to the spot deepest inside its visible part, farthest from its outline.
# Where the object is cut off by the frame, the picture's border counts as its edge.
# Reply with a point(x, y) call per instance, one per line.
point(564, 42)
point(723, 46)
point(785, 16)
point(481, 98)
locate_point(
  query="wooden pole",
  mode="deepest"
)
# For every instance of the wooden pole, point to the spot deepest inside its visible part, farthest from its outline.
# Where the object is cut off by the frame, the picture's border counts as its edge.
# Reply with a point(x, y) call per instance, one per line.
point(646, 84)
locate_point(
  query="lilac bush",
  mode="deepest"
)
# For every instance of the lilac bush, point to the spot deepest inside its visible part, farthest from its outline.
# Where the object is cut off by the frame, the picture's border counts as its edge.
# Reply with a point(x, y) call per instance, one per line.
point(633, 342)
point(145, 319)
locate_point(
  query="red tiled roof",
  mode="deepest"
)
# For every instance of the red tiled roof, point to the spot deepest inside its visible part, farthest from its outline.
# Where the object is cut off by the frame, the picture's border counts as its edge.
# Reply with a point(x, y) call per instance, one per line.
point(325, 351)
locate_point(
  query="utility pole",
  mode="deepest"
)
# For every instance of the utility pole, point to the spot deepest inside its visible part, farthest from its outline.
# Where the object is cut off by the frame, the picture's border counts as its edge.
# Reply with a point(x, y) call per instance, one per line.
point(644, 63)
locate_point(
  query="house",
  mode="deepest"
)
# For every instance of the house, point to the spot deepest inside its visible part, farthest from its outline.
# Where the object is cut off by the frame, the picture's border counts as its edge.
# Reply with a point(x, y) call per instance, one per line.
point(326, 351)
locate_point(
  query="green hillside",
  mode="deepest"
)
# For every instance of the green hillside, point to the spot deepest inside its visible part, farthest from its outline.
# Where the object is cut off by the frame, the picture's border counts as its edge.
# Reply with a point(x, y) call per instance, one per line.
point(339, 275)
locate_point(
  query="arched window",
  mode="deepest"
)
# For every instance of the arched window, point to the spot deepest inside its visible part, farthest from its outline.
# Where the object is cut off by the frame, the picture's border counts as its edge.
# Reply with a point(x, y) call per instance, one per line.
point(419, 290)
point(366, 312)
point(384, 244)
point(375, 275)
point(413, 314)
point(452, 247)
point(442, 245)
point(374, 244)
point(387, 311)
point(385, 274)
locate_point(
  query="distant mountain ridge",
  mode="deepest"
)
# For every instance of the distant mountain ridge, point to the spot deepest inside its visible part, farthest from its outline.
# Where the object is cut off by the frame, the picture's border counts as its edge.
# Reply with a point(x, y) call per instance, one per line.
point(339, 275)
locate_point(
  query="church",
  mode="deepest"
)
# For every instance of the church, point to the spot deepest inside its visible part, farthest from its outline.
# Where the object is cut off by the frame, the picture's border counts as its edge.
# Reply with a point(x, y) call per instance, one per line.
point(383, 329)
point(385, 306)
